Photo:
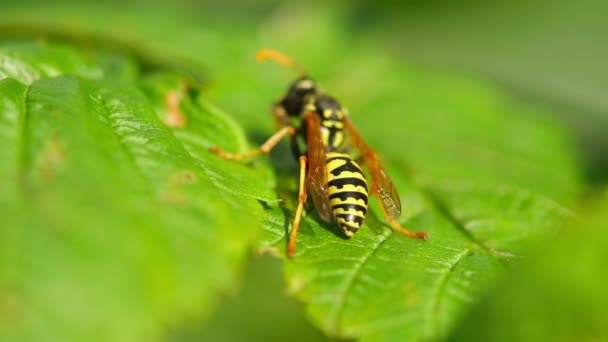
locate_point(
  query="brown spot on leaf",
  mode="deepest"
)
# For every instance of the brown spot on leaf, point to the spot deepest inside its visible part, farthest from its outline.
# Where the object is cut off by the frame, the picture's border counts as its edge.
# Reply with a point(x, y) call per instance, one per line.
point(410, 293)
point(268, 250)
point(12, 309)
point(411, 299)
point(171, 196)
point(172, 191)
point(184, 177)
point(296, 285)
point(173, 99)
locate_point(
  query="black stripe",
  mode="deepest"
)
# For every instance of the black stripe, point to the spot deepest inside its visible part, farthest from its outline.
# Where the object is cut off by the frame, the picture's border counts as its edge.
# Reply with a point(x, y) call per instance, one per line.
point(348, 166)
point(332, 135)
point(350, 228)
point(346, 194)
point(341, 182)
point(351, 218)
point(349, 206)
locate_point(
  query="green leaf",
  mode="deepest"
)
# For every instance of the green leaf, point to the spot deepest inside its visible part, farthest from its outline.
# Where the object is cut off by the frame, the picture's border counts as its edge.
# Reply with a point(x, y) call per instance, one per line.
point(472, 167)
point(114, 227)
point(560, 295)
point(27, 62)
point(384, 286)
point(207, 125)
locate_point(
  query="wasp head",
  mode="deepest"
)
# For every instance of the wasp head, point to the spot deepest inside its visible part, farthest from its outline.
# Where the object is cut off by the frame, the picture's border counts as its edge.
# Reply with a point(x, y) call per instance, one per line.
point(299, 91)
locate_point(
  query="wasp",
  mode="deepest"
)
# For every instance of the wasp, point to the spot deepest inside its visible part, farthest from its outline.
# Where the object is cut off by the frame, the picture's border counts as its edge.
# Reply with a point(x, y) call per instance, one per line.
point(328, 170)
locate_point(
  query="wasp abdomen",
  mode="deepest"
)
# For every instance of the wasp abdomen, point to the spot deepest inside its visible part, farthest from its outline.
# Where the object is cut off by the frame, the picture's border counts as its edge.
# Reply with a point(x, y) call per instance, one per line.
point(347, 191)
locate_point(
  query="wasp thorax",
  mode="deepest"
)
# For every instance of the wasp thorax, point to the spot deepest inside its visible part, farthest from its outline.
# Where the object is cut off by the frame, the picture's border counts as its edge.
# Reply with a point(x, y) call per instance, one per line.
point(296, 96)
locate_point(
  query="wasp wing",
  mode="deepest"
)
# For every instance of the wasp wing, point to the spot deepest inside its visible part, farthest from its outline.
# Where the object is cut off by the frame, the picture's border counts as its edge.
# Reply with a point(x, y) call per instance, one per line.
point(381, 182)
point(317, 174)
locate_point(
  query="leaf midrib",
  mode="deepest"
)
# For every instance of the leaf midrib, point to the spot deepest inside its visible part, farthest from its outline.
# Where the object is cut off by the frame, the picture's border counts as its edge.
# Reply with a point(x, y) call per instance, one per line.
point(433, 311)
point(334, 323)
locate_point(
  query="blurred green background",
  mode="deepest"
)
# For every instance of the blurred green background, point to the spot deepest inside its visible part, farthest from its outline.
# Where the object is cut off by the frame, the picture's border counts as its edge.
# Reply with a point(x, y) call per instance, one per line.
point(549, 54)
point(549, 51)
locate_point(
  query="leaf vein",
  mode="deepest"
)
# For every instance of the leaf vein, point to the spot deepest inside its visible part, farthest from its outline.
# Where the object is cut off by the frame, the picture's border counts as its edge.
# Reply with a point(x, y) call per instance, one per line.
point(458, 224)
point(338, 308)
point(435, 302)
point(23, 138)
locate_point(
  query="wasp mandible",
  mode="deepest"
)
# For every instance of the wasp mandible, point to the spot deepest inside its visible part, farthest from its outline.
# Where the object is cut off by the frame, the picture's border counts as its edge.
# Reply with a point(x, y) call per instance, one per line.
point(328, 171)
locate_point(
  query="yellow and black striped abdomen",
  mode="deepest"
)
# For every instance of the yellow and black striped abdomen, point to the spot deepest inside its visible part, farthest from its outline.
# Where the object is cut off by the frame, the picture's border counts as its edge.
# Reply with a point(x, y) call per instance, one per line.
point(347, 191)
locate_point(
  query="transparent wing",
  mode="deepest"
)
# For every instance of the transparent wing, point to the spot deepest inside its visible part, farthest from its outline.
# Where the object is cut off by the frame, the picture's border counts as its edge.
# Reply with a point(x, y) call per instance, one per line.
point(317, 175)
point(381, 182)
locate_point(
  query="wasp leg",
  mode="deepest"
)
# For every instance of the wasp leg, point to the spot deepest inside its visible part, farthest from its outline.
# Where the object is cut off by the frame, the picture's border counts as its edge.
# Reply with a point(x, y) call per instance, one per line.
point(397, 226)
point(265, 148)
point(291, 246)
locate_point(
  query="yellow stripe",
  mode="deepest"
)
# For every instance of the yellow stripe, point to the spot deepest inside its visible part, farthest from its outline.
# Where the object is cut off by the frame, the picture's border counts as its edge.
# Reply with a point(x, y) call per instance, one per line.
point(310, 107)
point(350, 212)
point(338, 139)
point(349, 200)
point(333, 123)
point(340, 114)
point(337, 154)
point(345, 174)
point(350, 223)
point(325, 137)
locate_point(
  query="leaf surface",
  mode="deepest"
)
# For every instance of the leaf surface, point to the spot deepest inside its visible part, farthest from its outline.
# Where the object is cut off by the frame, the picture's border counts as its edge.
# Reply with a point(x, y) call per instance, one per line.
point(475, 169)
point(559, 295)
point(117, 228)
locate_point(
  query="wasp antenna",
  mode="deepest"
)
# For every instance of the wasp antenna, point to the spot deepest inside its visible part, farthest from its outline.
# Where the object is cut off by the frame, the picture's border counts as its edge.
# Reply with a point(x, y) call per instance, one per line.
point(277, 57)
